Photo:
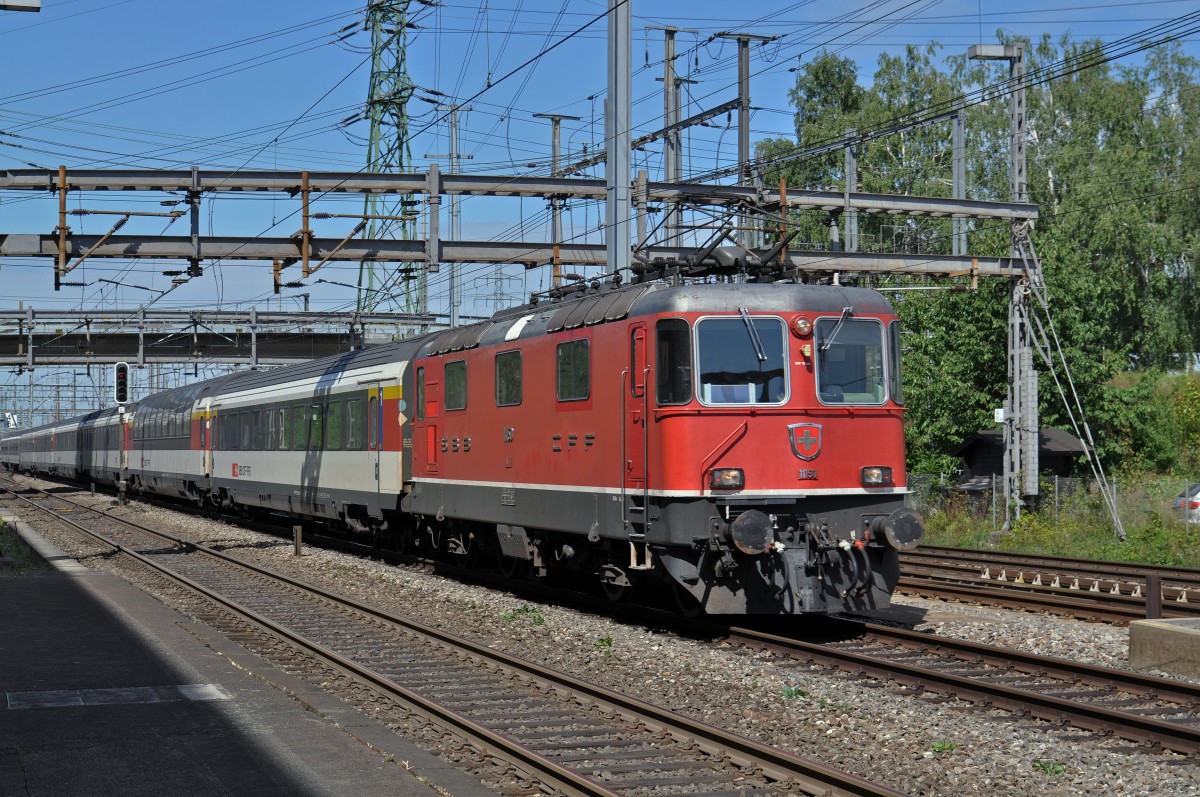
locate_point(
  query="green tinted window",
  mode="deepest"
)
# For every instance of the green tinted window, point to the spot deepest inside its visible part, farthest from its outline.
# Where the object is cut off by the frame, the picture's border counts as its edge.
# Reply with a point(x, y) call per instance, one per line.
point(574, 378)
point(315, 427)
point(354, 424)
point(456, 385)
point(508, 379)
point(333, 426)
point(299, 429)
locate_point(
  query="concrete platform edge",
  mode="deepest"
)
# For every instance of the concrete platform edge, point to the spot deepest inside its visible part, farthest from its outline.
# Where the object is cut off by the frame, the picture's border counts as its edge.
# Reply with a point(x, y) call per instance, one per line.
point(439, 776)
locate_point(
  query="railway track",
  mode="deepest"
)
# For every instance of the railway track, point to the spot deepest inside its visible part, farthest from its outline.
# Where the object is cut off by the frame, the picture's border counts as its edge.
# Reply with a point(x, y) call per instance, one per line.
point(1081, 588)
point(530, 727)
point(1148, 710)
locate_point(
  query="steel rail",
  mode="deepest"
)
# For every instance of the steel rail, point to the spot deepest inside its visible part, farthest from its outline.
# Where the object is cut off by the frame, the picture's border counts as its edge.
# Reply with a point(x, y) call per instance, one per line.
point(1011, 559)
point(570, 782)
point(1178, 737)
point(777, 764)
point(1081, 604)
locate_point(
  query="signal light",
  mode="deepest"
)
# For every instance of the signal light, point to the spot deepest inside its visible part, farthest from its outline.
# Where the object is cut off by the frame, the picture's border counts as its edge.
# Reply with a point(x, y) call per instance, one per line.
point(121, 383)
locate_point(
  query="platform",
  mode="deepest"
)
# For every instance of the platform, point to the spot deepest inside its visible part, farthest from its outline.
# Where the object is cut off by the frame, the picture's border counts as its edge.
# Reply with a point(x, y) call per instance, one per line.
point(1169, 645)
point(104, 690)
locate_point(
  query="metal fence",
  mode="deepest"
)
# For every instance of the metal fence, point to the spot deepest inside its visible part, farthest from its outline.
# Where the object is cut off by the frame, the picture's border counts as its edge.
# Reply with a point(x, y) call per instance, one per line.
point(1139, 501)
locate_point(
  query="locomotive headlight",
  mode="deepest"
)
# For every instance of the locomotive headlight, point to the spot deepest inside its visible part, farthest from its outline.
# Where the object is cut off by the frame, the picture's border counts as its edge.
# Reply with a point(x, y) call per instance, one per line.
point(727, 479)
point(876, 476)
point(802, 327)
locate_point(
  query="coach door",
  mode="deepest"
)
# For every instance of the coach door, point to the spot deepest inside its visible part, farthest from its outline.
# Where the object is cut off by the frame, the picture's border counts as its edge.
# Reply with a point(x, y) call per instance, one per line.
point(206, 429)
point(375, 430)
point(635, 437)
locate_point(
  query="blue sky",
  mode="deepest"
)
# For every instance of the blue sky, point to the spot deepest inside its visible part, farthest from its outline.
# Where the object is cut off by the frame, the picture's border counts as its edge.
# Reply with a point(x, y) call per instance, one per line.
point(264, 84)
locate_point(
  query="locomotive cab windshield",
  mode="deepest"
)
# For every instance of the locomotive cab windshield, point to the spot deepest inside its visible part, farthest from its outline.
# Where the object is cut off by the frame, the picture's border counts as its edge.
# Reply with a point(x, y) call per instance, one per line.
point(742, 360)
point(851, 366)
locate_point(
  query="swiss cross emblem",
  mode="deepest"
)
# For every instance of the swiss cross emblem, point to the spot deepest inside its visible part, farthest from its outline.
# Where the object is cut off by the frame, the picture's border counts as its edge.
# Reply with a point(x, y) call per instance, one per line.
point(806, 440)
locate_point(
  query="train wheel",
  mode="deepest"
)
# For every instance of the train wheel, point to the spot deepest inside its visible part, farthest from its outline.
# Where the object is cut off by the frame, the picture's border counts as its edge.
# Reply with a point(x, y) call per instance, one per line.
point(464, 550)
point(685, 602)
point(617, 593)
point(512, 568)
point(402, 541)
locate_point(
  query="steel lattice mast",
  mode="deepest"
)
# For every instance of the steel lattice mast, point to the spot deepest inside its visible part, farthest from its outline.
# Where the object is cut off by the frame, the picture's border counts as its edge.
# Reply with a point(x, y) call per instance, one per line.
point(388, 148)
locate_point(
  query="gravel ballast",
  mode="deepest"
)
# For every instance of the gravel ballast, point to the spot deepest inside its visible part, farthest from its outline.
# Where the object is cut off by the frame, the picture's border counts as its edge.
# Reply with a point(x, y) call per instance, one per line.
point(917, 744)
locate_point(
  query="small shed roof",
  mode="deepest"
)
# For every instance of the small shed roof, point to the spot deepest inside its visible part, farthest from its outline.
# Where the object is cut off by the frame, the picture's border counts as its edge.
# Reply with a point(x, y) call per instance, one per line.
point(1050, 441)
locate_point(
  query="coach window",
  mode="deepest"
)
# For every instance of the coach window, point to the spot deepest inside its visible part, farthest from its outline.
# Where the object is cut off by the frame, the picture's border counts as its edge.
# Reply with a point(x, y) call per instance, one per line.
point(574, 378)
point(244, 422)
point(354, 424)
point(316, 434)
point(284, 428)
point(299, 429)
point(456, 385)
point(333, 426)
point(256, 423)
point(373, 423)
point(673, 357)
point(508, 379)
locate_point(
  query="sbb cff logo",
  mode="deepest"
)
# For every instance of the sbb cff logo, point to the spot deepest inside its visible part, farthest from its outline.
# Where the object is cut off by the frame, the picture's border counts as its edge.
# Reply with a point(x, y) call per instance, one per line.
point(240, 470)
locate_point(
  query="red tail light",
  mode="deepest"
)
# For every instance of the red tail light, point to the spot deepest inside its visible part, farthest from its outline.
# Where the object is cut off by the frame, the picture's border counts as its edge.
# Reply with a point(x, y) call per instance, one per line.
point(1194, 504)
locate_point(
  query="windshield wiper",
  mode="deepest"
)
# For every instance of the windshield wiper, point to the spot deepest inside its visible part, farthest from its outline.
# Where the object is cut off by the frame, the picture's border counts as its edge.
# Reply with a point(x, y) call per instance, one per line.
point(829, 340)
point(758, 347)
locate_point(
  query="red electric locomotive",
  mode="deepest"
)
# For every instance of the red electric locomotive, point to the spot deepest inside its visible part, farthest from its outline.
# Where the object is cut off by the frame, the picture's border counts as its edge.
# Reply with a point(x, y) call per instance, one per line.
point(740, 443)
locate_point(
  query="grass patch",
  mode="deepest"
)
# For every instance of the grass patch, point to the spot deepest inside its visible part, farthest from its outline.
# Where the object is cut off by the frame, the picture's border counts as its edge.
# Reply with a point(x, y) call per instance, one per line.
point(24, 560)
point(1049, 768)
point(1074, 522)
point(534, 615)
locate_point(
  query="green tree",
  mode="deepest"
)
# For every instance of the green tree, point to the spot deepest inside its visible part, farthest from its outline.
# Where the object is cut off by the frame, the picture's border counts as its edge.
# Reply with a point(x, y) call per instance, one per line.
point(1113, 158)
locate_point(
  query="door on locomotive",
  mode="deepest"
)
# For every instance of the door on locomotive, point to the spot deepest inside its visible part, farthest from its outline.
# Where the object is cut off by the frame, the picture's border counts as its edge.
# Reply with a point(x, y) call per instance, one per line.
point(636, 428)
point(428, 413)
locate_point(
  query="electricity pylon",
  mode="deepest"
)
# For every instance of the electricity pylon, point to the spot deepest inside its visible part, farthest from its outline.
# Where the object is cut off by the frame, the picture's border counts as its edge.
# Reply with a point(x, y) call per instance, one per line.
point(388, 149)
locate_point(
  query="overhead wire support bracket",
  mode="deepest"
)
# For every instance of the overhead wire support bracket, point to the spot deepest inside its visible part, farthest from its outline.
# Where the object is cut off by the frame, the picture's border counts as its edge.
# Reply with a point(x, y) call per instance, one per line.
point(125, 216)
point(308, 272)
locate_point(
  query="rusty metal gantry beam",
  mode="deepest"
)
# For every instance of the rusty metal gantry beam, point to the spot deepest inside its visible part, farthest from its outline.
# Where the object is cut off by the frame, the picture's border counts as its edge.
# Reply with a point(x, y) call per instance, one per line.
point(31, 338)
point(304, 246)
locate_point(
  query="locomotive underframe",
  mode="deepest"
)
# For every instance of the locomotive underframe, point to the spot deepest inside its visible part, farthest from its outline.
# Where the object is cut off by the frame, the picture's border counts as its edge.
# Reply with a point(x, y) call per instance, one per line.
point(820, 555)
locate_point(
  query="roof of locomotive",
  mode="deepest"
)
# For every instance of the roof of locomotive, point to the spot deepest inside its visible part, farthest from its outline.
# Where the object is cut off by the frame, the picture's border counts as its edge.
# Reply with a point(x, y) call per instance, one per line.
point(598, 307)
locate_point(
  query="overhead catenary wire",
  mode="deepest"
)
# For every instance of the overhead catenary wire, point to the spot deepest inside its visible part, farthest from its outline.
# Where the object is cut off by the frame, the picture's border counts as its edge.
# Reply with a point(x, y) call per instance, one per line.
point(493, 7)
